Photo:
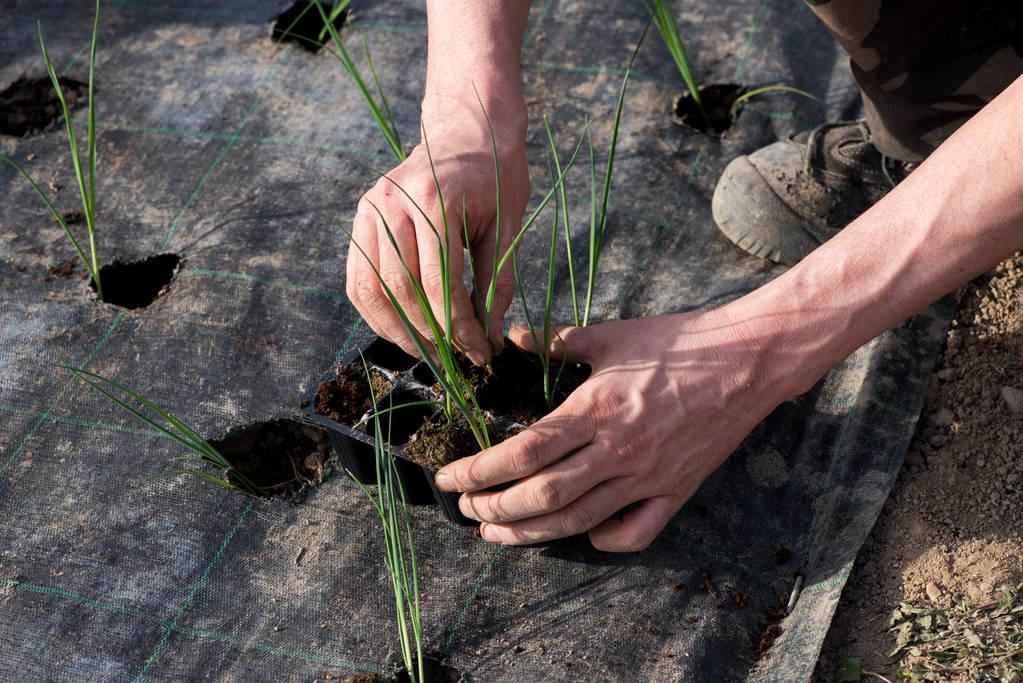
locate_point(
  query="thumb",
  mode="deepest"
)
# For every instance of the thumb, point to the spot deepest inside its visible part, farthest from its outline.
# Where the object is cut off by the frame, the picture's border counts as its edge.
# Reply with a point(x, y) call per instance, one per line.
point(573, 344)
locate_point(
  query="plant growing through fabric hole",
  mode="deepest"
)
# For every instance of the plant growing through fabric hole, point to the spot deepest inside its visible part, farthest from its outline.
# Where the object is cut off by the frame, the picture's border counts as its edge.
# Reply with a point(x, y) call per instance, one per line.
point(205, 454)
point(378, 105)
point(390, 504)
point(664, 20)
point(442, 360)
point(85, 177)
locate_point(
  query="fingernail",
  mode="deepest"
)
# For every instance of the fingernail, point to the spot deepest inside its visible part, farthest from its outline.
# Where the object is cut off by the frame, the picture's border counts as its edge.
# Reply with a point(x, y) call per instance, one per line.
point(463, 505)
point(444, 481)
point(487, 534)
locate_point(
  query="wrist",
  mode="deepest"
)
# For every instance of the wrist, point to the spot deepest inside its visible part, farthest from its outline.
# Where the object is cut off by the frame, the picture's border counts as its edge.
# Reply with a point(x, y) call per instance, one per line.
point(447, 104)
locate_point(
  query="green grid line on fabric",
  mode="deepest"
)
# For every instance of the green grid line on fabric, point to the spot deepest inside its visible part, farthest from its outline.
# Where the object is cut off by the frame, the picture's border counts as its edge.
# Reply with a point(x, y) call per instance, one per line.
point(197, 586)
point(82, 422)
point(751, 33)
point(244, 644)
point(477, 586)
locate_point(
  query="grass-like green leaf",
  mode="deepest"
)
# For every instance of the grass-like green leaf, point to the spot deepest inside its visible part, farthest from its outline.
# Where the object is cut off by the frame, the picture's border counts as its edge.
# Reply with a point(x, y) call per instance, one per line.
point(85, 175)
point(745, 97)
point(156, 417)
point(664, 20)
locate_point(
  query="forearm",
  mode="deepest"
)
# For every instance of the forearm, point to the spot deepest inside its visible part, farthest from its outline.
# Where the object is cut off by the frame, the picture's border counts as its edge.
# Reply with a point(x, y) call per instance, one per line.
point(953, 218)
point(475, 44)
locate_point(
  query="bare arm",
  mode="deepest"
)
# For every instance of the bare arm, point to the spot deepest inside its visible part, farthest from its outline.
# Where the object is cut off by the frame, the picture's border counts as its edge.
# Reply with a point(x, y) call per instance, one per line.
point(471, 43)
point(701, 381)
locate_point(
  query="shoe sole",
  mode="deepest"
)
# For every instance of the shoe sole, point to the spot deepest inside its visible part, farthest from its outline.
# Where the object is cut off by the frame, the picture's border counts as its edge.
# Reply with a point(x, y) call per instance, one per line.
point(749, 213)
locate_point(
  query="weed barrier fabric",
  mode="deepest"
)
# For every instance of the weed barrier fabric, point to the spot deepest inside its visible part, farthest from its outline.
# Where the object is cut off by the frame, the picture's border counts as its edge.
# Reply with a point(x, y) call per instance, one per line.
point(243, 157)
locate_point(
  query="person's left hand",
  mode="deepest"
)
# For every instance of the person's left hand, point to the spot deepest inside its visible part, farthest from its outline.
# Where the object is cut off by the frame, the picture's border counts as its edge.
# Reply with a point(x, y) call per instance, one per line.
point(669, 399)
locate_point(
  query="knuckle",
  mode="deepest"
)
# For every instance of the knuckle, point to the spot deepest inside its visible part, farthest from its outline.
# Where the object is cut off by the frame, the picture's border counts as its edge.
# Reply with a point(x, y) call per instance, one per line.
point(527, 458)
point(579, 518)
point(548, 495)
point(433, 281)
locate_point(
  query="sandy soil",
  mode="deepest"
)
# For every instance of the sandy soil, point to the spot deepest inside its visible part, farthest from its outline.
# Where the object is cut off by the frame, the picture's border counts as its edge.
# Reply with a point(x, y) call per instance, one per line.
point(952, 529)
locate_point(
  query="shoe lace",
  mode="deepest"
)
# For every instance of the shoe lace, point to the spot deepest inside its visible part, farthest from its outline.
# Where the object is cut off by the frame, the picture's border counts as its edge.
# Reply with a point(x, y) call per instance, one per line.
point(813, 143)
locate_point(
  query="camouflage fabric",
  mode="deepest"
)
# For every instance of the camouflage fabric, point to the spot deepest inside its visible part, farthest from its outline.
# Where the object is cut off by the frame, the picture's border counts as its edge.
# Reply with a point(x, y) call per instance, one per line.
point(925, 67)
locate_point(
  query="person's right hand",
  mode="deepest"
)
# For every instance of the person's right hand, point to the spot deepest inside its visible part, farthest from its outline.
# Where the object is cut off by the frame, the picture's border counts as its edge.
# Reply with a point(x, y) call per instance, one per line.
point(462, 156)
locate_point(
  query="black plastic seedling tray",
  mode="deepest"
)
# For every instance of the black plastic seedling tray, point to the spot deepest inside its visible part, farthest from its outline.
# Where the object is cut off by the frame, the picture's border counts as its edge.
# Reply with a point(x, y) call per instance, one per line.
point(354, 444)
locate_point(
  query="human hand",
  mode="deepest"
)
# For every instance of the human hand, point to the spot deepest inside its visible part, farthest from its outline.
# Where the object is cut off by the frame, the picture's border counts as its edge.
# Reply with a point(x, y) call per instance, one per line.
point(462, 156)
point(670, 397)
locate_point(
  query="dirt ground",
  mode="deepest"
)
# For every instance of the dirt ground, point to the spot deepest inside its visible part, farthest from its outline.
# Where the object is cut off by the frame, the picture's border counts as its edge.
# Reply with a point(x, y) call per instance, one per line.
point(952, 529)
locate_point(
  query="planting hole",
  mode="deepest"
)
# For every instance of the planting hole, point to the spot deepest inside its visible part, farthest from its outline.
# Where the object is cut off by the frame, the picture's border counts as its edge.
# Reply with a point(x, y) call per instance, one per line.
point(346, 398)
point(717, 102)
point(403, 421)
point(302, 23)
point(282, 457)
point(136, 284)
point(433, 672)
point(388, 356)
point(29, 104)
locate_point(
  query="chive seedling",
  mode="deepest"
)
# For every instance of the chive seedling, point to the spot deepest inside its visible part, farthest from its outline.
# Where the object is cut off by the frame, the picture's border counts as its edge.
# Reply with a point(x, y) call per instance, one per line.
point(390, 504)
point(170, 426)
point(664, 20)
point(442, 360)
point(85, 177)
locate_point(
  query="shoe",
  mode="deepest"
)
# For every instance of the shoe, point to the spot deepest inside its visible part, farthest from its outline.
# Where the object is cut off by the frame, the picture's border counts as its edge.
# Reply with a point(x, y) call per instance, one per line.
point(786, 199)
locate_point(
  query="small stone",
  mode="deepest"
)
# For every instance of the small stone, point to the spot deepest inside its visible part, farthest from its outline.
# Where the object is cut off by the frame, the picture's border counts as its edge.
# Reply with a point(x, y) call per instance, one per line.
point(933, 592)
point(942, 418)
point(1013, 398)
point(938, 440)
point(945, 374)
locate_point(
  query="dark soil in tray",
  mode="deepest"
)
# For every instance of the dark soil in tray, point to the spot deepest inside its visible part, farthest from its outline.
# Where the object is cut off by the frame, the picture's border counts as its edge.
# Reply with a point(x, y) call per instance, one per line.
point(514, 386)
point(717, 102)
point(346, 398)
point(302, 23)
point(282, 457)
point(440, 442)
point(30, 104)
point(136, 284)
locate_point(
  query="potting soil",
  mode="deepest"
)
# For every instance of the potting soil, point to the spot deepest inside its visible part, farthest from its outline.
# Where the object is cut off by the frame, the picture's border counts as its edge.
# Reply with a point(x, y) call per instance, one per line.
point(246, 158)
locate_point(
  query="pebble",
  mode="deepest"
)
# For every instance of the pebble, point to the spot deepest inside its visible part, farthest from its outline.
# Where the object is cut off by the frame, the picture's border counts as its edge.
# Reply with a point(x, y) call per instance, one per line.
point(933, 592)
point(939, 440)
point(1013, 398)
point(942, 418)
point(945, 374)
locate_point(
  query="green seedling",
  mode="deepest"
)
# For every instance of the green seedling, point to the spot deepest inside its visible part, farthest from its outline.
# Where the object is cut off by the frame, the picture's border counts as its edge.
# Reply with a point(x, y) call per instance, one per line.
point(390, 504)
point(378, 105)
point(739, 101)
point(170, 426)
point(85, 175)
point(664, 20)
point(440, 352)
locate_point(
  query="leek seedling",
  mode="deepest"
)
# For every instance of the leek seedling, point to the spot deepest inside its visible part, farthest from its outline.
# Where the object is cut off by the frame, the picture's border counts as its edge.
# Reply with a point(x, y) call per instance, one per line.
point(599, 201)
point(744, 97)
point(543, 346)
point(85, 177)
point(400, 551)
point(377, 103)
point(664, 20)
point(442, 360)
point(170, 426)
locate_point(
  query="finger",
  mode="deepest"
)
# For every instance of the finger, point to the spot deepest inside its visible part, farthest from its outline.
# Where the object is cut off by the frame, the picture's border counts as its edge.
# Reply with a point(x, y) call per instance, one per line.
point(561, 432)
point(637, 528)
point(394, 274)
point(546, 491)
point(467, 331)
point(577, 517)
point(573, 344)
point(364, 289)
